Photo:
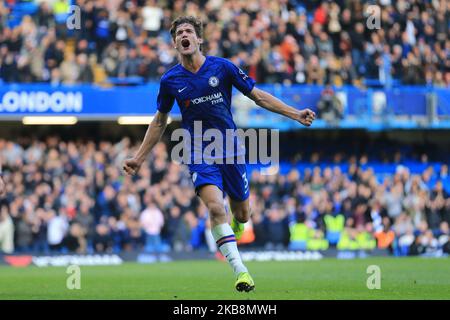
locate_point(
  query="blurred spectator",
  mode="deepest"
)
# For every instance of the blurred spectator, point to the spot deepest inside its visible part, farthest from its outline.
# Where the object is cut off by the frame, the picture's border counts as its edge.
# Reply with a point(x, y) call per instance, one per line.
point(394, 199)
point(69, 69)
point(443, 236)
point(85, 219)
point(198, 233)
point(102, 242)
point(85, 73)
point(75, 240)
point(24, 234)
point(134, 238)
point(152, 15)
point(329, 106)
point(152, 221)
point(6, 231)
point(57, 228)
point(128, 65)
point(385, 237)
point(182, 236)
point(259, 229)
point(277, 229)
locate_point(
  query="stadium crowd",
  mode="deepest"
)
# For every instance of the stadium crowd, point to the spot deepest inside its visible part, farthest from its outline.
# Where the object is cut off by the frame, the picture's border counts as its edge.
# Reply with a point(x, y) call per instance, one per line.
point(72, 196)
point(284, 41)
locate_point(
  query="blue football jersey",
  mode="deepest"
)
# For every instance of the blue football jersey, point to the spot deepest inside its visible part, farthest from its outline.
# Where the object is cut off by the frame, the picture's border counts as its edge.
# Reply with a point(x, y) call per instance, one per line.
point(204, 99)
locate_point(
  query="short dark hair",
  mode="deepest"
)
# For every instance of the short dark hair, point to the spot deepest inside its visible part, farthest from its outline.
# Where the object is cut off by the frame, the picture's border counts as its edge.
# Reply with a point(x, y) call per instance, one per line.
point(193, 21)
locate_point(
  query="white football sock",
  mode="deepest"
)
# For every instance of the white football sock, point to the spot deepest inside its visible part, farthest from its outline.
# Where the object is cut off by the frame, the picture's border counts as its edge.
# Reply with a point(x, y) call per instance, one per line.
point(226, 242)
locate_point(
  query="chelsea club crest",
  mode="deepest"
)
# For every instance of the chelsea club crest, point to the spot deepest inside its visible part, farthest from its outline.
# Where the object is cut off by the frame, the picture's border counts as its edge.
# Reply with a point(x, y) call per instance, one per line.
point(213, 82)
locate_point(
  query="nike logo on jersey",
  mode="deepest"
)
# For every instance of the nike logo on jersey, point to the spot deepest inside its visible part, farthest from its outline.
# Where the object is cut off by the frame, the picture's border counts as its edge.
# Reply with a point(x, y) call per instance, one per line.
point(181, 90)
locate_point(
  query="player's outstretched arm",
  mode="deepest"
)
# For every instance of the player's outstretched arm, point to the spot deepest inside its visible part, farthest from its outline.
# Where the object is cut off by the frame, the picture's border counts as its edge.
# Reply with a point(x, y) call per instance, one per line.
point(152, 136)
point(269, 102)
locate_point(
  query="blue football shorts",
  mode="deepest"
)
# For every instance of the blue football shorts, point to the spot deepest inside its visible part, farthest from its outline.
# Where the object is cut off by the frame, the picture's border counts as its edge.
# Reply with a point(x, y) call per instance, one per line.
point(232, 179)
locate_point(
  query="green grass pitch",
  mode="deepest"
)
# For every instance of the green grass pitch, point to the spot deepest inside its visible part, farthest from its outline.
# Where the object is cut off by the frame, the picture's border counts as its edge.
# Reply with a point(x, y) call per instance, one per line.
point(401, 278)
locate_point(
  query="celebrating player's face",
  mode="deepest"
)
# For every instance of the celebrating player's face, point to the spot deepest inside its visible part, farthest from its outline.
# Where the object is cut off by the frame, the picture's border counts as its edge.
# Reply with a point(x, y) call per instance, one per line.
point(186, 40)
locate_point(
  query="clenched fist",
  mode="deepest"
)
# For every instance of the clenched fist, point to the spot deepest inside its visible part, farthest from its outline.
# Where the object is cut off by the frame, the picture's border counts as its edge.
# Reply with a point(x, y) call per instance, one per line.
point(306, 117)
point(131, 166)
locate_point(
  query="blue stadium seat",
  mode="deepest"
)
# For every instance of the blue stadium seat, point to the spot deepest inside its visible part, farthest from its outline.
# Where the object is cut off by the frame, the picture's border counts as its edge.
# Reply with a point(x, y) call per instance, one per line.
point(19, 10)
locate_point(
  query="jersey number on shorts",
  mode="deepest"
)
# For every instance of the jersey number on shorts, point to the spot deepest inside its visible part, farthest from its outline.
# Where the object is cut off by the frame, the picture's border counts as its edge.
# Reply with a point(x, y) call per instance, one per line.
point(244, 176)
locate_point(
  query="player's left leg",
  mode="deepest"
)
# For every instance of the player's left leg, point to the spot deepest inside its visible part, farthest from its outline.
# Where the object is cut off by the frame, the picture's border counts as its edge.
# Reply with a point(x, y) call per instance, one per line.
point(236, 185)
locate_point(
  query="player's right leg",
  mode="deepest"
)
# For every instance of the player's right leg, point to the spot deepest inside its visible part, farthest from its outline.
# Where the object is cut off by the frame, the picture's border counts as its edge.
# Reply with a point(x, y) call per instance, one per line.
point(236, 185)
point(212, 197)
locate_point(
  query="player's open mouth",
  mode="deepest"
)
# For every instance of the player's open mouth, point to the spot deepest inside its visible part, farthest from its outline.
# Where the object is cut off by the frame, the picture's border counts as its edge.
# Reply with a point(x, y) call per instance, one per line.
point(185, 43)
